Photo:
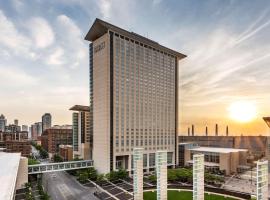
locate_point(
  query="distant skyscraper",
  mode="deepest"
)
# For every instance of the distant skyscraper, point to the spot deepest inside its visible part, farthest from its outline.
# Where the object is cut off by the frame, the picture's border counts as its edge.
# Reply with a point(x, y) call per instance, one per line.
point(36, 130)
point(16, 122)
point(39, 128)
point(46, 121)
point(3, 122)
point(133, 97)
point(24, 128)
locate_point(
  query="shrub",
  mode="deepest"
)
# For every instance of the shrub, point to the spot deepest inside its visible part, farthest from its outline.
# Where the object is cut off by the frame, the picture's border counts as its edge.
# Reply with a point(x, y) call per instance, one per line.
point(32, 161)
point(92, 173)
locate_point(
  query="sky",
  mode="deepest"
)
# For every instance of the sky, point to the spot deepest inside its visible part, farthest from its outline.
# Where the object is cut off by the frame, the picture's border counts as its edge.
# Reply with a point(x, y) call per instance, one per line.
point(44, 57)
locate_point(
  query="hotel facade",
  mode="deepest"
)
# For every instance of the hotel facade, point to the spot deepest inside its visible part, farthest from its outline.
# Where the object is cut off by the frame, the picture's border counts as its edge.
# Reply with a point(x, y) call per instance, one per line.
point(133, 97)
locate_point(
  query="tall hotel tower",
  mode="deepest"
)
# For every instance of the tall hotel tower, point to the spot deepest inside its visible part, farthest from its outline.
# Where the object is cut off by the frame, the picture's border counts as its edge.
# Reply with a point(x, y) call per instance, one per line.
point(133, 97)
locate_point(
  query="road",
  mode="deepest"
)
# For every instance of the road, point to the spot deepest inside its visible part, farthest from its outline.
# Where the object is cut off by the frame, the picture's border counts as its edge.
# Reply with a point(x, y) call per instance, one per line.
point(62, 186)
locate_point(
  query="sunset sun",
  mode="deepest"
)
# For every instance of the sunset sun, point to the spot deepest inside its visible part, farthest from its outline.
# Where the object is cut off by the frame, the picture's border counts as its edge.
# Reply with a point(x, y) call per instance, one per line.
point(242, 111)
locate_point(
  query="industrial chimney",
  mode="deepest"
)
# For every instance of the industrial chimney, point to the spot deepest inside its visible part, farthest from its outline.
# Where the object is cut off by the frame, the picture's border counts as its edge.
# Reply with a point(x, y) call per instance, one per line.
point(188, 131)
point(206, 131)
point(227, 131)
point(216, 130)
point(192, 130)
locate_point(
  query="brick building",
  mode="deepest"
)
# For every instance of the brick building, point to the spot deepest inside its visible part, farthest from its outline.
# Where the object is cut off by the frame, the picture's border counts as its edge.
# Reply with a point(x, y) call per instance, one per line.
point(15, 142)
point(66, 152)
point(52, 138)
point(23, 147)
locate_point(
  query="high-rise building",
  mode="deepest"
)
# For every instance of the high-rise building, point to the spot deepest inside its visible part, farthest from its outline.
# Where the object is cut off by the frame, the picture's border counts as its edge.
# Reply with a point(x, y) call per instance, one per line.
point(12, 128)
point(36, 130)
point(133, 97)
point(82, 139)
point(3, 122)
point(16, 122)
point(46, 121)
point(24, 128)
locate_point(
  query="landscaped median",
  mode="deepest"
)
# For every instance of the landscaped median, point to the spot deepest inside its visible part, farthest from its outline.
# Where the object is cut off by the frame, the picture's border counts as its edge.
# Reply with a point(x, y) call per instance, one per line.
point(184, 195)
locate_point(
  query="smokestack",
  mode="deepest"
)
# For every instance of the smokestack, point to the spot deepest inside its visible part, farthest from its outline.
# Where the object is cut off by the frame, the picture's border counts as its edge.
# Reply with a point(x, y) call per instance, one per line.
point(192, 130)
point(216, 130)
point(188, 131)
point(206, 131)
point(227, 131)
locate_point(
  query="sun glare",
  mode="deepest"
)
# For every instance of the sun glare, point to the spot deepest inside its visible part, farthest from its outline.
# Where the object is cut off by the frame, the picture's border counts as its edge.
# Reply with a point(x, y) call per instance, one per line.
point(242, 111)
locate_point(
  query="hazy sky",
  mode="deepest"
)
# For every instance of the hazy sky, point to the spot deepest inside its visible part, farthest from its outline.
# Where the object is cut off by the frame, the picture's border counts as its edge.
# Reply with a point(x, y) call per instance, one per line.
point(44, 59)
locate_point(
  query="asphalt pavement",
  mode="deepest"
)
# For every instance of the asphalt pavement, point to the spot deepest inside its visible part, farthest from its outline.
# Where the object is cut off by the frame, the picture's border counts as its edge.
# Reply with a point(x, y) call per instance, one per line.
point(62, 186)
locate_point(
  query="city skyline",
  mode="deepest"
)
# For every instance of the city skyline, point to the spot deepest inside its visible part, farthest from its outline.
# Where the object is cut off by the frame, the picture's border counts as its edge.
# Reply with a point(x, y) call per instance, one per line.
point(226, 47)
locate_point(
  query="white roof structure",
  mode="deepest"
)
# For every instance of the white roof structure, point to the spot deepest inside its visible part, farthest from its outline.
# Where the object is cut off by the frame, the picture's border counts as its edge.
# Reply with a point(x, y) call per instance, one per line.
point(9, 165)
point(217, 149)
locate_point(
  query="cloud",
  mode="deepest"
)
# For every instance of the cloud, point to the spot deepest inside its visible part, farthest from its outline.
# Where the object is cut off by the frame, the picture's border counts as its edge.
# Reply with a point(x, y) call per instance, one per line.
point(10, 37)
point(56, 58)
point(105, 8)
point(13, 77)
point(41, 32)
point(71, 41)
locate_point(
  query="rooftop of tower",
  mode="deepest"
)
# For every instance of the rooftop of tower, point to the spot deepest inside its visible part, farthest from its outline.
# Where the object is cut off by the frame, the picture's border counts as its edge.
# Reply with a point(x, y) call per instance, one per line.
point(80, 108)
point(101, 27)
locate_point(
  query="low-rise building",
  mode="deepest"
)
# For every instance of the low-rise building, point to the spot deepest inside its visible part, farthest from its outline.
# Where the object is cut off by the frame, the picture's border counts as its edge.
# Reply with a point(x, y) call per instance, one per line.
point(13, 173)
point(15, 142)
point(257, 145)
point(228, 160)
point(66, 152)
point(53, 137)
point(23, 147)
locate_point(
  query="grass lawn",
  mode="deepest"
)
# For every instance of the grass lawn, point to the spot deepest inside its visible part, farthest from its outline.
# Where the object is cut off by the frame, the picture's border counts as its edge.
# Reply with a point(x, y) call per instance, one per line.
point(183, 195)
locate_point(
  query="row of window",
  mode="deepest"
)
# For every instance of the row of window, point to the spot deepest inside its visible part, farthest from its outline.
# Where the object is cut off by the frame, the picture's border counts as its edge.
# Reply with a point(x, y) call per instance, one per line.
point(144, 93)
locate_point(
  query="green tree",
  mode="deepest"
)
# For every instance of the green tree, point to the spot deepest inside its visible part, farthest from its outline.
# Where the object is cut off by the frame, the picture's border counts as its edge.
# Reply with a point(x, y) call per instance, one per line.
point(152, 178)
point(57, 158)
point(43, 154)
point(112, 176)
point(32, 161)
point(83, 177)
point(92, 173)
point(122, 174)
point(100, 178)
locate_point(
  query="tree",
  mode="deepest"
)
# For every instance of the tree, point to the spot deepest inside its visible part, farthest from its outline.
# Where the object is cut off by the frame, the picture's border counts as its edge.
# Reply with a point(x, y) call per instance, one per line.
point(92, 173)
point(122, 174)
point(172, 176)
point(83, 177)
point(152, 178)
point(100, 178)
point(32, 161)
point(43, 154)
point(57, 158)
point(112, 176)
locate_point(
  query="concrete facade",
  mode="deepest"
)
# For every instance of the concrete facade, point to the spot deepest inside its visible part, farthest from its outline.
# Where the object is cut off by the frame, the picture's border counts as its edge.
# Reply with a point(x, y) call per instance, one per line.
point(198, 177)
point(161, 173)
point(138, 173)
point(82, 139)
point(22, 175)
point(222, 159)
point(133, 93)
point(262, 180)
